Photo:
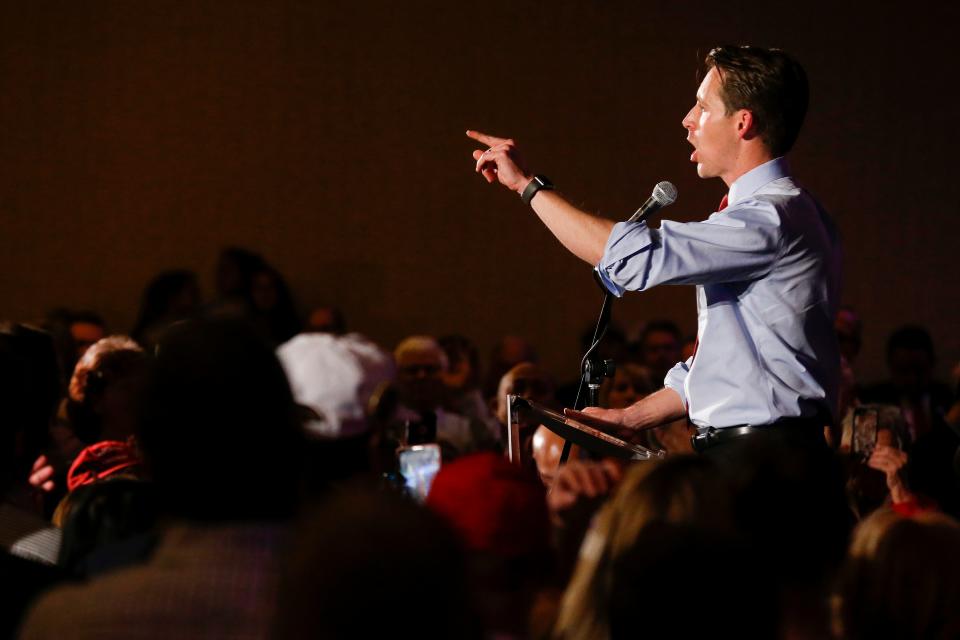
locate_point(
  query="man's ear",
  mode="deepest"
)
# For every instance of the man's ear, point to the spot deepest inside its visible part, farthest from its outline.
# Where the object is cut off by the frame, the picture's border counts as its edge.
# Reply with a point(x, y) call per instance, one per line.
point(746, 127)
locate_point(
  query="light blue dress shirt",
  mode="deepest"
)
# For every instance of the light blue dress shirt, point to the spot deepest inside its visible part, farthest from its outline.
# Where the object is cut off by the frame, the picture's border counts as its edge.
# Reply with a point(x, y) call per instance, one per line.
point(767, 270)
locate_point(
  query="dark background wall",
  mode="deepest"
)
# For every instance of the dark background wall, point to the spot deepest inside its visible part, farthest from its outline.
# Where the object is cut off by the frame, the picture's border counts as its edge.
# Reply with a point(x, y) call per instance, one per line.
point(138, 136)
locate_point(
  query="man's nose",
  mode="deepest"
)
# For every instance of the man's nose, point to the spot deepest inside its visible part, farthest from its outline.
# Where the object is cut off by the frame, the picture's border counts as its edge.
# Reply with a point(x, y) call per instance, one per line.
point(688, 121)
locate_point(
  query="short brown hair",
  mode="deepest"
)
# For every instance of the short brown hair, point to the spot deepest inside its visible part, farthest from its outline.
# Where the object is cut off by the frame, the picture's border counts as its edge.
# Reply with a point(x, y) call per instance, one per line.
point(768, 83)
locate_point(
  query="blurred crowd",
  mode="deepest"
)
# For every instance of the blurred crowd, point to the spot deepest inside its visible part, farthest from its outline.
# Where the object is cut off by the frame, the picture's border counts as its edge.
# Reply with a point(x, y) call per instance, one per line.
point(236, 468)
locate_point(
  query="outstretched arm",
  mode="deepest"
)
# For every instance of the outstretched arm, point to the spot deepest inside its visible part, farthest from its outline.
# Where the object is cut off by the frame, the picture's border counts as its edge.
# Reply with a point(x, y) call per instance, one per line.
point(583, 234)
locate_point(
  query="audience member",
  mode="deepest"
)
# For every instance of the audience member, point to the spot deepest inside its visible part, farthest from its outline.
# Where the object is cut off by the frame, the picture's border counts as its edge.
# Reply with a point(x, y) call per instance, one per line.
point(102, 403)
point(462, 381)
point(234, 277)
point(659, 348)
point(104, 393)
point(686, 580)
point(170, 297)
point(421, 363)
point(29, 392)
point(924, 403)
point(326, 319)
point(529, 381)
point(911, 360)
point(683, 490)
point(876, 471)
point(333, 378)
point(579, 488)
point(498, 510)
point(28, 383)
point(373, 565)
point(108, 523)
point(216, 403)
point(630, 382)
point(273, 309)
point(901, 579)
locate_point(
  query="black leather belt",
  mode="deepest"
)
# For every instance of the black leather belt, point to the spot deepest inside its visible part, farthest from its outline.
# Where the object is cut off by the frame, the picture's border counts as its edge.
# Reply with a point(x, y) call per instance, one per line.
point(707, 437)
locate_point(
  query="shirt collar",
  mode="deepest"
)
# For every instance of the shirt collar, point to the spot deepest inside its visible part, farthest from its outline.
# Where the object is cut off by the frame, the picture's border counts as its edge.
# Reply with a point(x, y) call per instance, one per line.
point(748, 184)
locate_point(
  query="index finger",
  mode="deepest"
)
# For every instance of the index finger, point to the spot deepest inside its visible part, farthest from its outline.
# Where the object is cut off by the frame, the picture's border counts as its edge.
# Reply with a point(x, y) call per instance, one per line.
point(488, 140)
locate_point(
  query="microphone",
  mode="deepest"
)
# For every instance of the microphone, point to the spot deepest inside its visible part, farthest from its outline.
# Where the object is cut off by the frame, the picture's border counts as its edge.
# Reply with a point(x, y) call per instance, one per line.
point(664, 195)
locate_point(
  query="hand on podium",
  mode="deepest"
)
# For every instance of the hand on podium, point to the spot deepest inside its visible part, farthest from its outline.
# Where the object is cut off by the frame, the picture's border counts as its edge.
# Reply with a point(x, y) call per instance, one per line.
point(610, 421)
point(659, 408)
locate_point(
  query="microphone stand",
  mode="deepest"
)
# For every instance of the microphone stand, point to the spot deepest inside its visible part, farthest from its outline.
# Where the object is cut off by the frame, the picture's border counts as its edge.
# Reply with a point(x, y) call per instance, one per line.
point(593, 370)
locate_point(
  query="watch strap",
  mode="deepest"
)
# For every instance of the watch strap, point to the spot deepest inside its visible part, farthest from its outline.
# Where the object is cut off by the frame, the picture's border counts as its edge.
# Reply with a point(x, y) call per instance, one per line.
point(535, 185)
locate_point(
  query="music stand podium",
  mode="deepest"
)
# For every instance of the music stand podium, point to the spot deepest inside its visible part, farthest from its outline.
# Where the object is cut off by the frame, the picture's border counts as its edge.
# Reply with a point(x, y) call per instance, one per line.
point(584, 436)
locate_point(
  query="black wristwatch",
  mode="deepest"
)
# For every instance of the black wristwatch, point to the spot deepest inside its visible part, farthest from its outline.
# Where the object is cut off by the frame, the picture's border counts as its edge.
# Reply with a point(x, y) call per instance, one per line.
point(538, 183)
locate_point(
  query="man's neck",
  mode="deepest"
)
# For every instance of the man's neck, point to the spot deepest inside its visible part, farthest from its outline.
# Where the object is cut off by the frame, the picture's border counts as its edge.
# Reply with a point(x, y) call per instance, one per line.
point(746, 161)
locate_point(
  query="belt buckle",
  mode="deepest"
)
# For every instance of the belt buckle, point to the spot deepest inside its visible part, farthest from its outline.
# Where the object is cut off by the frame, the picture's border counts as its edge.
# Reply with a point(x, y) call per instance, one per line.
point(702, 439)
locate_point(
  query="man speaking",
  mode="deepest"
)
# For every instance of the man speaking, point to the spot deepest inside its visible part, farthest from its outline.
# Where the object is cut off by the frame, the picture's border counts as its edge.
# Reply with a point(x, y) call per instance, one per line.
point(766, 264)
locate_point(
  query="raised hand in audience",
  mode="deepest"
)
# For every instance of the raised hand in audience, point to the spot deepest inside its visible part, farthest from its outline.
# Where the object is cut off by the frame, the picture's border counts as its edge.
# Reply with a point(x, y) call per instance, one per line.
point(581, 484)
point(891, 461)
point(41, 475)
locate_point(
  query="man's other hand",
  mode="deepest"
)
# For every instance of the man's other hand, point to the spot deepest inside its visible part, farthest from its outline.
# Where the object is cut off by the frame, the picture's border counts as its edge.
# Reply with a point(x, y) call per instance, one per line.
point(501, 161)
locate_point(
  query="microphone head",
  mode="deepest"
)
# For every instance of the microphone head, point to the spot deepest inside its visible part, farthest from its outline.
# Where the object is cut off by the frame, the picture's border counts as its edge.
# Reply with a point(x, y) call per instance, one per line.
point(664, 193)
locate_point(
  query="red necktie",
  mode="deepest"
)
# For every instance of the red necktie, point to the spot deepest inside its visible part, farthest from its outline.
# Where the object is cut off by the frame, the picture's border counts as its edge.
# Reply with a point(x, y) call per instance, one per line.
point(723, 203)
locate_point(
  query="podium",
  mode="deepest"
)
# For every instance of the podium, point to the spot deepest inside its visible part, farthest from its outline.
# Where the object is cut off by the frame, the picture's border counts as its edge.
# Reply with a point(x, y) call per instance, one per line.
point(593, 440)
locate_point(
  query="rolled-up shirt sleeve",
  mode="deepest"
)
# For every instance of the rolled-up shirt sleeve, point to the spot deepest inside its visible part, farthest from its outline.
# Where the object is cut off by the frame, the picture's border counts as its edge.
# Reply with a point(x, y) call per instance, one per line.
point(740, 243)
point(677, 377)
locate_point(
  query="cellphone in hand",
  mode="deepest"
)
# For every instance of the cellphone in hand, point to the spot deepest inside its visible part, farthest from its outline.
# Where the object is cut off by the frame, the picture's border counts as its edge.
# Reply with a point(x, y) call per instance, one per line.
point(864, 439)
point(419, 465)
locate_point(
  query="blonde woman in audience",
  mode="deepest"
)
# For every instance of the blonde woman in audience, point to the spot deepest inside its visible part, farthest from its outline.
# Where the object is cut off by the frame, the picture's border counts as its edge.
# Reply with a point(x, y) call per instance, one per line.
point(684, 490)
point(901, 579)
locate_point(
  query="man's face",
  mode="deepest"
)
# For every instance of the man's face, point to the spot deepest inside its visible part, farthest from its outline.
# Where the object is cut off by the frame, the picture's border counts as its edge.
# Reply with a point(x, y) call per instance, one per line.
point(713, 134)
point(418, 376)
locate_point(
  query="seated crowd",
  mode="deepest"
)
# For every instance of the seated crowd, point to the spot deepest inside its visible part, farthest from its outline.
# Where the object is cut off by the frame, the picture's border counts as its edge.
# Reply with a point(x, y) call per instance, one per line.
point(232, 469)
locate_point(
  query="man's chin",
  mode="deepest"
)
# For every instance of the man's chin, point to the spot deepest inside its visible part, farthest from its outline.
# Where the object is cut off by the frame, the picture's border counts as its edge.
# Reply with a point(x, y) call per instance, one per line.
point(705, 172)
